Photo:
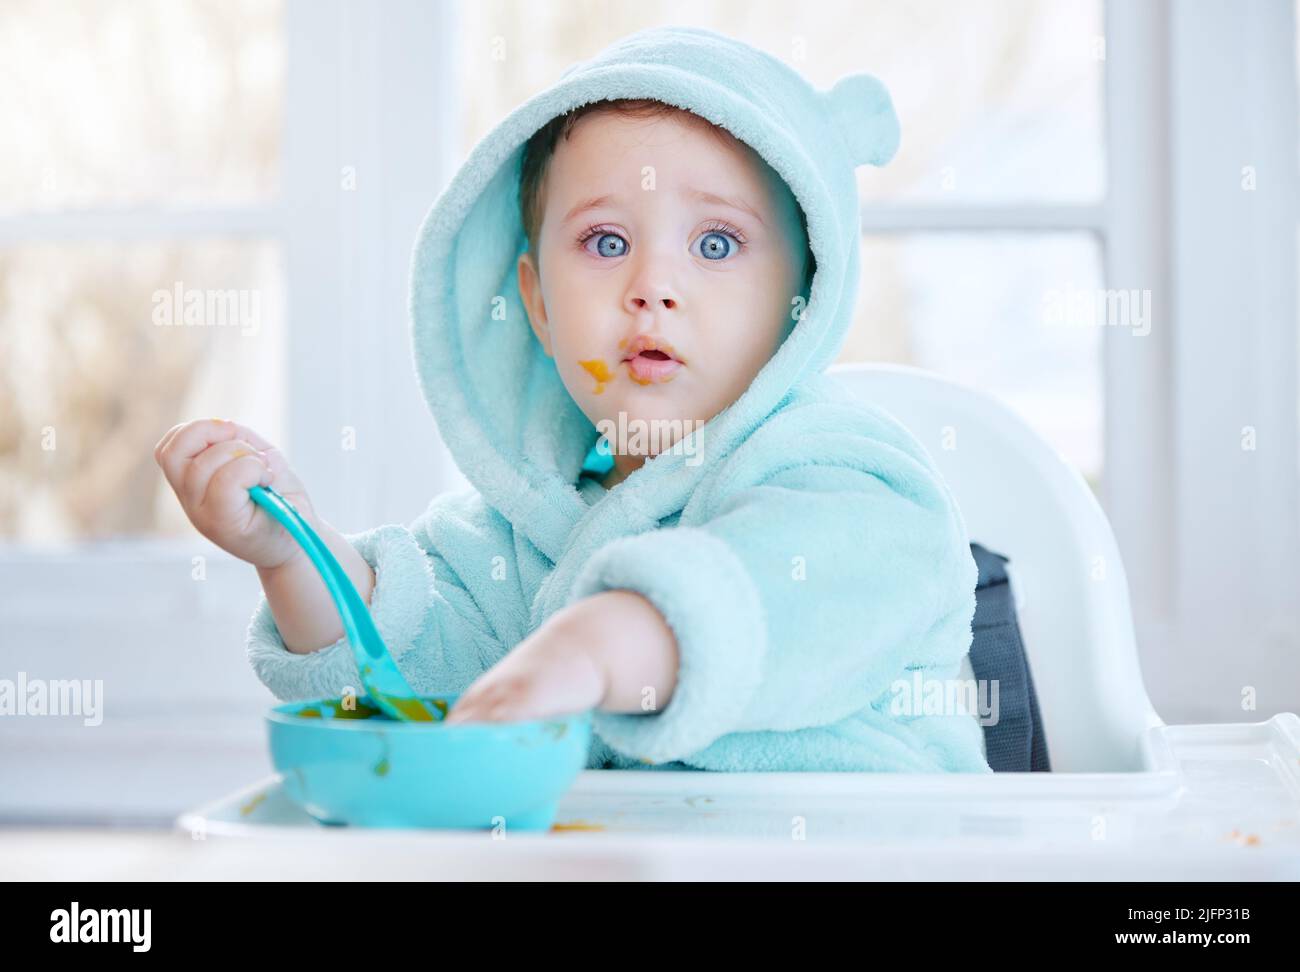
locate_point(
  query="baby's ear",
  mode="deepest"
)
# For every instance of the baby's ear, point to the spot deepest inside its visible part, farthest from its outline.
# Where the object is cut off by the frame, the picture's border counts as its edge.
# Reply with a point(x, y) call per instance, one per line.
point(863, 112)
point(530, 292)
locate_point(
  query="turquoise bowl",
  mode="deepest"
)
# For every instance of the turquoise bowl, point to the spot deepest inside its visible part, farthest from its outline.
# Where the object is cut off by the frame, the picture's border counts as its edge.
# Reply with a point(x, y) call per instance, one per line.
point(354, 765)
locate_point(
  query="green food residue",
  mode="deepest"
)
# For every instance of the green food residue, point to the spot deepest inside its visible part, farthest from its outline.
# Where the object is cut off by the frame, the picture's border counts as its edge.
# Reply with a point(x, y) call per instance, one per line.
point(411, 708)
point(358, 709)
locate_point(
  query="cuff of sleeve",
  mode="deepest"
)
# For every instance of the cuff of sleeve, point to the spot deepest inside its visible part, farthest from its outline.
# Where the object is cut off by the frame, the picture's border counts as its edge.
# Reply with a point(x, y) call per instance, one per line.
point(709, 600)
point(398, 604)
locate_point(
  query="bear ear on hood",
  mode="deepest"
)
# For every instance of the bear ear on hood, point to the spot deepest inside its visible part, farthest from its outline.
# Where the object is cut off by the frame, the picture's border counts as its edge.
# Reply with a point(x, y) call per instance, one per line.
point(863, 113)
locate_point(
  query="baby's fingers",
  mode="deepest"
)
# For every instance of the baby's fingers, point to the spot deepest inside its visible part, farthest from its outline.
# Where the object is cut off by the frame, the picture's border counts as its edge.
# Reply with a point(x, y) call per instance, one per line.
point(480, 712)
point(470, 707)
point(495, 698)
point(286, 481)
point(218, 480)
point(228, 488)
point(166, 438)
point(186, 441)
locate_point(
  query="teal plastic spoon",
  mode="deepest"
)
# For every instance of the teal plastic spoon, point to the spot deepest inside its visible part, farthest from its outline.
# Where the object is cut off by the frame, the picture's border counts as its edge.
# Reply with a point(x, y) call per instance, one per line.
point(380, 676)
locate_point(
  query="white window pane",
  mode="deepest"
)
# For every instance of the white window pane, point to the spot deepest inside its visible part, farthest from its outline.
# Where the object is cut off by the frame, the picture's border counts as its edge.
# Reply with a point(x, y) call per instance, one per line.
point(1001, 312)
point(139, 101)
point(99, 356)
point(1000, 100)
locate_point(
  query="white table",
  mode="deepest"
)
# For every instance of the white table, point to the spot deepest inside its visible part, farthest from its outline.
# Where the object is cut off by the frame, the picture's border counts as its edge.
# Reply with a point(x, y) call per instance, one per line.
point(1217, 802)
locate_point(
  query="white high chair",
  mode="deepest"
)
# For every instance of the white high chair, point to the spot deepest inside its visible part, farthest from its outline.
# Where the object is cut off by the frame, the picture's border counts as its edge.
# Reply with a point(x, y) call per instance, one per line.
point(1128, 796)
point(1019, 498)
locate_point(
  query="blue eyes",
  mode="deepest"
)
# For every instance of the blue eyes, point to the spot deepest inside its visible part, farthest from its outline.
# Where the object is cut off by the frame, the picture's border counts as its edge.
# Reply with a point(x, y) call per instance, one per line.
point(611, 245)
point(715, 244)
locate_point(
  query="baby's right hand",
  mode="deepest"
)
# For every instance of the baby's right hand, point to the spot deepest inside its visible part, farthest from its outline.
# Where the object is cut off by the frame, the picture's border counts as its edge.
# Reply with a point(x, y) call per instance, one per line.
point(211, 464)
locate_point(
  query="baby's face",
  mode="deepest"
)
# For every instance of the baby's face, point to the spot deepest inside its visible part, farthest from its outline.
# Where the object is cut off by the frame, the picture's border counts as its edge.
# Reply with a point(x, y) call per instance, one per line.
point(637, 243)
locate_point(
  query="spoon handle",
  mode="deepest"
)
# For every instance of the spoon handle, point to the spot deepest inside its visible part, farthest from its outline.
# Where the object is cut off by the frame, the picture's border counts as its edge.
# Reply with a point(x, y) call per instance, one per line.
point(380, 676)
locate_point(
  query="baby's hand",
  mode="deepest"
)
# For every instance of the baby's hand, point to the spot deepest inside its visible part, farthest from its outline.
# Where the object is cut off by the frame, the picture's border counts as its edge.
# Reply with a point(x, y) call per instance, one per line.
point(571, 664)
point(549, 673)
point(211, 464)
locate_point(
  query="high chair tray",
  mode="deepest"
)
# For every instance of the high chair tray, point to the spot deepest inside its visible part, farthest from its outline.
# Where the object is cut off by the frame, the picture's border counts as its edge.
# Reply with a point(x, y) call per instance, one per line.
point(1213, 802)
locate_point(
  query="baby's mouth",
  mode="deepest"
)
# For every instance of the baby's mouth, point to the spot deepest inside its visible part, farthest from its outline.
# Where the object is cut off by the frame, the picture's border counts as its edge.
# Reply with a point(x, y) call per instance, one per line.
point(651, 366)
point(651, 361)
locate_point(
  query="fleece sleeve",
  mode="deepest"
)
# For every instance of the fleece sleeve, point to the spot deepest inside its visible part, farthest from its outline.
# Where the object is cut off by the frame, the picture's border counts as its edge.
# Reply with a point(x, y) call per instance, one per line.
point(446, 601)
point(796, 604)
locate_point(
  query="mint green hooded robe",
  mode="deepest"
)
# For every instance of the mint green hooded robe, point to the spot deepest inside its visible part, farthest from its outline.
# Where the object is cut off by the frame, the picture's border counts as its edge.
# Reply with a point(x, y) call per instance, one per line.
point(812, 561)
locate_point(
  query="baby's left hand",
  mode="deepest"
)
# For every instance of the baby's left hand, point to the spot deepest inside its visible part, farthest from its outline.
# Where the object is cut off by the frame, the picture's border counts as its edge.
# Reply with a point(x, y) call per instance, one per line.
point(554, 671)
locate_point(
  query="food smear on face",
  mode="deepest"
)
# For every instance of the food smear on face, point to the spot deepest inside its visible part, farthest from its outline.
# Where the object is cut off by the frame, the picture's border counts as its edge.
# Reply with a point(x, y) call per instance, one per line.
point(597, 368)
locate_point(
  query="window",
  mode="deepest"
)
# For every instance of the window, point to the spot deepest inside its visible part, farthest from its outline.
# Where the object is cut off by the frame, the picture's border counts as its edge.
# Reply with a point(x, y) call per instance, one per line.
point(140, 276)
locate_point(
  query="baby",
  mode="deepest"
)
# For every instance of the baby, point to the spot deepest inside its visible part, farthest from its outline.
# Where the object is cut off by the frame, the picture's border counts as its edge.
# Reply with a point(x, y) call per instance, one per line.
point(760, 559)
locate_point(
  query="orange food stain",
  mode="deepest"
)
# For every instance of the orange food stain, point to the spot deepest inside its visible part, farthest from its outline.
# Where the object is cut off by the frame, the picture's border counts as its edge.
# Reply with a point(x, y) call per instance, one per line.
point(1245, 840)
point(577, 825)
point(597, 368)
point(252, 804)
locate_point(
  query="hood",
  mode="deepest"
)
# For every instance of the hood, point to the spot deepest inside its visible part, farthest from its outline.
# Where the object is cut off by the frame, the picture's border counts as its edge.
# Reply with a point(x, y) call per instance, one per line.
point(496, 396)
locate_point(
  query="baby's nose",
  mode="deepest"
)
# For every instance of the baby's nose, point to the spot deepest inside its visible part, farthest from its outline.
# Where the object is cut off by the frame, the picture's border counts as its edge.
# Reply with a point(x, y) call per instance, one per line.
point(640, 303)
point(650, 289)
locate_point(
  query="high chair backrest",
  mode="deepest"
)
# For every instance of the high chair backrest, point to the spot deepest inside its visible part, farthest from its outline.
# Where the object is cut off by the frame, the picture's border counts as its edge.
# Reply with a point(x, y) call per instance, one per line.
point(1021, 499)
